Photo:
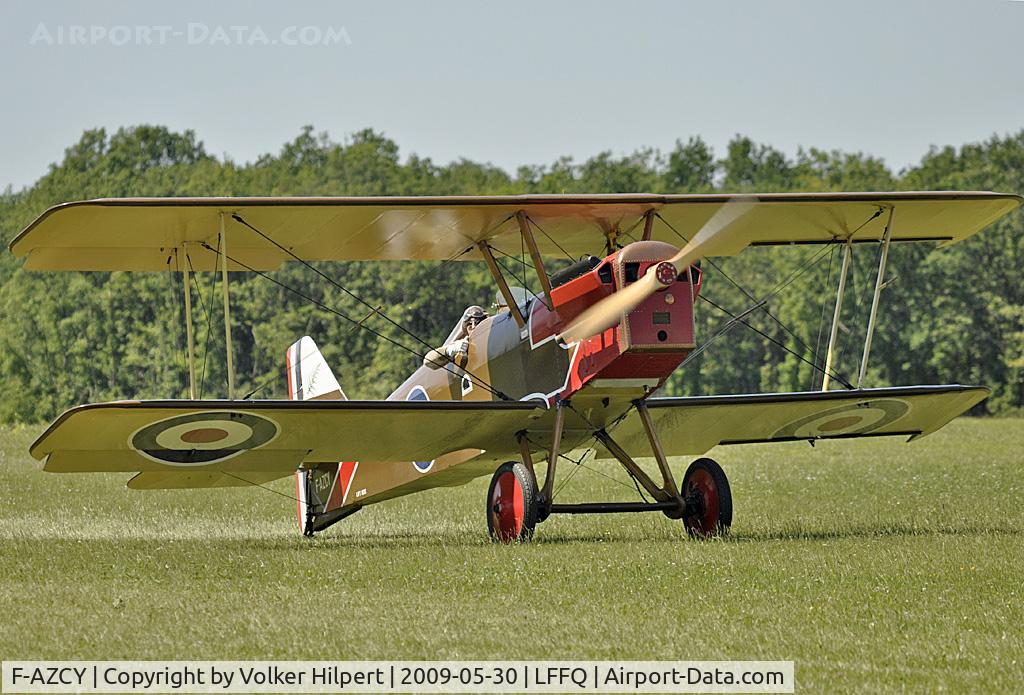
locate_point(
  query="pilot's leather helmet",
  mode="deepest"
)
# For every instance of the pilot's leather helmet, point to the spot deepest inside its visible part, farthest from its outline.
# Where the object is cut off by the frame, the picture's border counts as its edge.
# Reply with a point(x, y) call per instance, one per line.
point(474, 313)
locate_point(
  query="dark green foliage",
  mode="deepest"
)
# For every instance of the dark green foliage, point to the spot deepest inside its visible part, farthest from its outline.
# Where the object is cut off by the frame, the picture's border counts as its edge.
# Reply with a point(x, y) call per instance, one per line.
point(952, 315)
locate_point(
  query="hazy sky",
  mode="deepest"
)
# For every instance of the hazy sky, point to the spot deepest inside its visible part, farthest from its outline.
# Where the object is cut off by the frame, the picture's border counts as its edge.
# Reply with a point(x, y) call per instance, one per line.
point(512, 83)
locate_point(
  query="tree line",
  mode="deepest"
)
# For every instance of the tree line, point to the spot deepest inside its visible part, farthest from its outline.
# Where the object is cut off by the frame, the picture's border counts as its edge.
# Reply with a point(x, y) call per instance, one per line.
point(950, 315)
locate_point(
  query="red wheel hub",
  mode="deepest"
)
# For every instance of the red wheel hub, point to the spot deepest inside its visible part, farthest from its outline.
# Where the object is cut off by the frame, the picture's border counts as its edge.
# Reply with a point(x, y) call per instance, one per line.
point(706, 521)
point(507, 507)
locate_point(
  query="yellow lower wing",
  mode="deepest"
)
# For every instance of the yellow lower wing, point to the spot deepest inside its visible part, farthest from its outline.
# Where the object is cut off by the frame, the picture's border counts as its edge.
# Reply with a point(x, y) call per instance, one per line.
point(694, 425)
point(271, 438)
point(188, 480)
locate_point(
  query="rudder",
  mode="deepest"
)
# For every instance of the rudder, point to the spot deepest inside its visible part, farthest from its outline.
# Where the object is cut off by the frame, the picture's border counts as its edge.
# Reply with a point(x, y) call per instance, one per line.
point(325, 487)
point(309, 377)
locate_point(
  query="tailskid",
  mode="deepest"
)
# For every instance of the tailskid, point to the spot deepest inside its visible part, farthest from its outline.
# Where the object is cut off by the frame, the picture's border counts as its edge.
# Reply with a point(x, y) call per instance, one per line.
point(321, 493)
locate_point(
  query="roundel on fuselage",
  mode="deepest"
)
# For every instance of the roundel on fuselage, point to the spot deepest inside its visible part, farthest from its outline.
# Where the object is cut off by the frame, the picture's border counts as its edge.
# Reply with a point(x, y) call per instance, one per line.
point(418, 393)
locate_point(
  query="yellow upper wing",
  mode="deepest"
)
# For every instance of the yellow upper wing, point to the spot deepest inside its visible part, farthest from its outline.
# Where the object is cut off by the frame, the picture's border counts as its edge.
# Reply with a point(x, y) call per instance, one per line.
point(156, 233)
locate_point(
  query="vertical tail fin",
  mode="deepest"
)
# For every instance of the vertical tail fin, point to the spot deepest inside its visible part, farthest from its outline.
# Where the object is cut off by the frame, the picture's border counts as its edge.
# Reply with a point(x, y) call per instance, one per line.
point(309, 377)
point(324, 488)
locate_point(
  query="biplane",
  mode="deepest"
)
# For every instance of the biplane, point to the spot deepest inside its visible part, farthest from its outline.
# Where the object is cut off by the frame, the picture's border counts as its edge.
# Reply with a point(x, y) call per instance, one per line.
point(511, 392)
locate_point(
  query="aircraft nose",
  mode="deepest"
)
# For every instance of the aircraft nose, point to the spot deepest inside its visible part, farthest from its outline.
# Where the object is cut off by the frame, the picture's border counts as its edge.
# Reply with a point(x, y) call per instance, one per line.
point(666, 273)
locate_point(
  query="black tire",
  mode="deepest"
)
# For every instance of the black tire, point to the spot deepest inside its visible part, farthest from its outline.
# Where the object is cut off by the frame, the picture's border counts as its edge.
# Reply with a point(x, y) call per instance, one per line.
point(512, 501)
point(708, 499)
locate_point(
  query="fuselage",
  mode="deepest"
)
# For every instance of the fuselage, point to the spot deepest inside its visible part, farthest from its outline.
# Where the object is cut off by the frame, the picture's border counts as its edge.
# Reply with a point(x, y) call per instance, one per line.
point(601, 376)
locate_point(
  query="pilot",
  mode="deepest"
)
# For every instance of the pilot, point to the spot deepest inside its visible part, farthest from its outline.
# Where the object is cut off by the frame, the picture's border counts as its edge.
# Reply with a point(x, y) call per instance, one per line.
point(457, 348)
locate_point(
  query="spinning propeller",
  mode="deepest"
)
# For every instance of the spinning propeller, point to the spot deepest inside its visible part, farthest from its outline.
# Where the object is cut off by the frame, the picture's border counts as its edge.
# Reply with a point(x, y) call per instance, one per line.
point(705, 242)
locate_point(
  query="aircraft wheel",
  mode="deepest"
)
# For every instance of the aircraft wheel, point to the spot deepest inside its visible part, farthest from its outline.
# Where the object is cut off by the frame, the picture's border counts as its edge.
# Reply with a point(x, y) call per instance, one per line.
point(512, 502)
point(708, 499)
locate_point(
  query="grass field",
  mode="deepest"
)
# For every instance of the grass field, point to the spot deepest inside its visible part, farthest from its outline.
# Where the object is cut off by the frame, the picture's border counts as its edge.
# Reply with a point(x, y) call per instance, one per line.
point(875, 565)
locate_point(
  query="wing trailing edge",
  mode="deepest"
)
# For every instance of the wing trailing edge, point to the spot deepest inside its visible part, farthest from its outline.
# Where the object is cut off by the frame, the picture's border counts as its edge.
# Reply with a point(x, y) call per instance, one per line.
point(271, 437)
point(695, 425)
point(160, 234)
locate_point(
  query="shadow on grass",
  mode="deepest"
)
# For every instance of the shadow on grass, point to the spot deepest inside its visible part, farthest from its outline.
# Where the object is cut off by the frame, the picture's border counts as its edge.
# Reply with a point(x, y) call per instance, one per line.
point(398, 538)
point(566, 538)
point(414, 539)
point(863, 531)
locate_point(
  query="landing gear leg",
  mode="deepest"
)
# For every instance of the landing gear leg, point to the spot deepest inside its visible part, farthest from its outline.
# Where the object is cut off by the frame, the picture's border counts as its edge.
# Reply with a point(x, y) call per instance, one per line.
point(547, 493)
point(668, 482)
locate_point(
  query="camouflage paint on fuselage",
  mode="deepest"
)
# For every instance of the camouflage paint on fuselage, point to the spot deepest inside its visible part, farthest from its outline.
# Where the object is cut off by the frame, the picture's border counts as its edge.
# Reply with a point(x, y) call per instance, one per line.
point(533, 363)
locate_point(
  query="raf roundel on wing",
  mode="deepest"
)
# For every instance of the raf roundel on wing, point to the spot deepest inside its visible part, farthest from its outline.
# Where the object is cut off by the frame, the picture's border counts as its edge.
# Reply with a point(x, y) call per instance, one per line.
point(199, 439)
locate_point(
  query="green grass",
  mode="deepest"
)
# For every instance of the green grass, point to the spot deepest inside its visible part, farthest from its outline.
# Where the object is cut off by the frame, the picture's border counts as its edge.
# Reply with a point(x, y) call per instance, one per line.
point(874, 564)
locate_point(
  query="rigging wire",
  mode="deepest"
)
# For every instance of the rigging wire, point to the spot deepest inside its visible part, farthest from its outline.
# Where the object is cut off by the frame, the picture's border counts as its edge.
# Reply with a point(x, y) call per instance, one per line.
point(269, 379)
point(263, 487)
point(829, 246)
point(546, 301)
point(427, 280)
point(433, 274)
point(518, 260)
point(517, 278)
point(275, 376)
point(739, 319)
point(728, 277)
point(380, 335)
point(559, 246)
point(629, 231)
point(595, 428)
point(785, 282)
point(376, 310)
point(580, 464)
point(373, 309)
point(265, 383)
point(721, 330)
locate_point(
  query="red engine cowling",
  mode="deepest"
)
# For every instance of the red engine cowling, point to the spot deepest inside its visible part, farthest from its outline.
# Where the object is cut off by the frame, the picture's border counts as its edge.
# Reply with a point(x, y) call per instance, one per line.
point(651, 340)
